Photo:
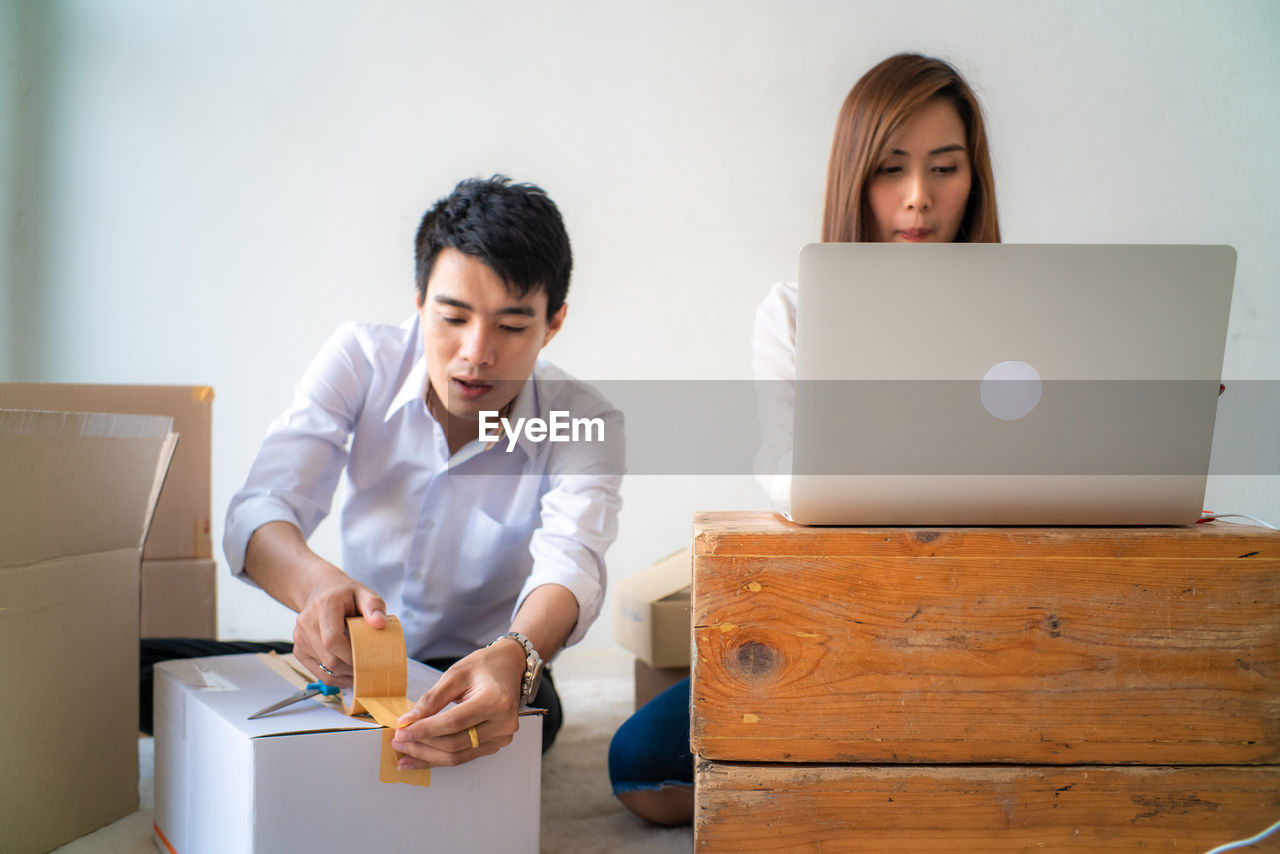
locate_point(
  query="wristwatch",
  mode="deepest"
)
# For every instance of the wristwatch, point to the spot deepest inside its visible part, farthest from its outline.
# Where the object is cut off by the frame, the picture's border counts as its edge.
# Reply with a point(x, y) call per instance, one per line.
point(532, 666)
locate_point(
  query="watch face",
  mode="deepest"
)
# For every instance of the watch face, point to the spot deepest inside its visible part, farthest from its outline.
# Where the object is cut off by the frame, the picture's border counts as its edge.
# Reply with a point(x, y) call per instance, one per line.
point(535, 679)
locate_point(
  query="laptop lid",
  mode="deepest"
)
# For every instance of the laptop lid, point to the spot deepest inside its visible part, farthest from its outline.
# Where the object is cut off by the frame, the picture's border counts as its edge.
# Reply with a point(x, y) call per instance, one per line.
point(1006, 384)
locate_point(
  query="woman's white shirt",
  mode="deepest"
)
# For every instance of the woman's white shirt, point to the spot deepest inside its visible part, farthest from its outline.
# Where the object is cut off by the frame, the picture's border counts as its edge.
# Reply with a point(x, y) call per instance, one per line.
point(773, 361)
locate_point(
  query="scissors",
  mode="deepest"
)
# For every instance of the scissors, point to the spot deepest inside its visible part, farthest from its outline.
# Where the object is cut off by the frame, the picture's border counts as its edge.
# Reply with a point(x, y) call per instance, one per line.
point(312, 689)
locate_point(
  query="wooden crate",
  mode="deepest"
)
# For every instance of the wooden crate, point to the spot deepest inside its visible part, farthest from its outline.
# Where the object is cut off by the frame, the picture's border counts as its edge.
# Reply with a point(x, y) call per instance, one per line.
point(981, 809)
point(875, 648)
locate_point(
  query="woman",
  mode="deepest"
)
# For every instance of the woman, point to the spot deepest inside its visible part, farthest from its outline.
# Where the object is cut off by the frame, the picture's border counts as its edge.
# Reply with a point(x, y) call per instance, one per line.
point(909, 164)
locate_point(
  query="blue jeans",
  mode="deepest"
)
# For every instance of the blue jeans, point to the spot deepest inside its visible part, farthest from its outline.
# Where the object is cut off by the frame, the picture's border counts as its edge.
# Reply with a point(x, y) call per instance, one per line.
point(651, 749)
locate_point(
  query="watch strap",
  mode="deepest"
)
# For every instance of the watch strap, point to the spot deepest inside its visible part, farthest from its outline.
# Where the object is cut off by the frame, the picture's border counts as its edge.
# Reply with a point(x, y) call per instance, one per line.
point(532, 665)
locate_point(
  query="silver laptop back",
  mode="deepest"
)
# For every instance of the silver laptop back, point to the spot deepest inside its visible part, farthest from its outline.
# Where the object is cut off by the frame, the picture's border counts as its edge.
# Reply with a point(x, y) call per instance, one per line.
point(1006, 384)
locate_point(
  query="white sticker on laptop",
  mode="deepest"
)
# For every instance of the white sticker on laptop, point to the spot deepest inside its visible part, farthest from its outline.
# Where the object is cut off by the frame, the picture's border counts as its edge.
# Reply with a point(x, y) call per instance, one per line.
point(1010, 390)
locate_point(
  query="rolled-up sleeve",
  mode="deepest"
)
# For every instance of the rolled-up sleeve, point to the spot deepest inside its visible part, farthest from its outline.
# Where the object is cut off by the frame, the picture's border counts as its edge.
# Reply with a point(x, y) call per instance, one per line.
point(296, 470)
point(579, 521)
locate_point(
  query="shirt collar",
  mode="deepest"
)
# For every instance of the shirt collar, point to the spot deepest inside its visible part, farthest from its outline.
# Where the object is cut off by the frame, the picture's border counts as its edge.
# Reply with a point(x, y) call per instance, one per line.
point(525, 405)
point(413, 392)
point(413, 388)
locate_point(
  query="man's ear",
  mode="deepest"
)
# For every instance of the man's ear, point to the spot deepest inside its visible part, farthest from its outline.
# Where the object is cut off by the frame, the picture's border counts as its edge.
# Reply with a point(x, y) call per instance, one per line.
point(417, 299)
point(554, 324)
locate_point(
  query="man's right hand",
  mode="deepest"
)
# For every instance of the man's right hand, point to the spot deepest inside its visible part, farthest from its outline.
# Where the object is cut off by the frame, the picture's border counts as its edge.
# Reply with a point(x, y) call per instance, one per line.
point(279, 560)
point(320, 639)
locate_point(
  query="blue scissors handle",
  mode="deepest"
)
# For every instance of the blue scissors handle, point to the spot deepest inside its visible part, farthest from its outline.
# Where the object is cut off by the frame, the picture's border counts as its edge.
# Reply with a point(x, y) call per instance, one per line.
point(321, 688)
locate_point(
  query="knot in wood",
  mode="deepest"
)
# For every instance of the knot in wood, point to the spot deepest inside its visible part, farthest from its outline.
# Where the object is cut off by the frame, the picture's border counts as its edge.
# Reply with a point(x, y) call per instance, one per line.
point(755, 660)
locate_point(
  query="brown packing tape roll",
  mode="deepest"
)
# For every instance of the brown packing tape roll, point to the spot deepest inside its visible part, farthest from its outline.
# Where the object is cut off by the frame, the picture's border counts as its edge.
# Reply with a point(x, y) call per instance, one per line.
point(381, 668)
point(379, 661)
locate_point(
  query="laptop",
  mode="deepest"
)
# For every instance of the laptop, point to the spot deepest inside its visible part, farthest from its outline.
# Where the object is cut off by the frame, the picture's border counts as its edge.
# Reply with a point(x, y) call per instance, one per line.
point(1006, 384)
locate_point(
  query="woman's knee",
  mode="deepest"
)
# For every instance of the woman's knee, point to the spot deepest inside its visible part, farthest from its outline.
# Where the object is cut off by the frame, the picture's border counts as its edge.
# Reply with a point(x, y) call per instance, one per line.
point(669, 806)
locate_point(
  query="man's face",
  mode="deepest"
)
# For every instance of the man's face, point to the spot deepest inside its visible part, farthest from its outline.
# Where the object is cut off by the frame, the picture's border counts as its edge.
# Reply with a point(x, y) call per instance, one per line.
point(480, 340)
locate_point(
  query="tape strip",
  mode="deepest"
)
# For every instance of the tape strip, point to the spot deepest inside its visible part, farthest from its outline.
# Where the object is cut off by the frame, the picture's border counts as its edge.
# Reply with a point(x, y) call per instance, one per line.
point(286, 667)
point(381, 668)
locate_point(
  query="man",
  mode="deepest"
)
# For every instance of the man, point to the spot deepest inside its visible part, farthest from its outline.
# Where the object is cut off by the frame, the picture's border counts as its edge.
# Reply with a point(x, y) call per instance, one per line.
point(487, 543)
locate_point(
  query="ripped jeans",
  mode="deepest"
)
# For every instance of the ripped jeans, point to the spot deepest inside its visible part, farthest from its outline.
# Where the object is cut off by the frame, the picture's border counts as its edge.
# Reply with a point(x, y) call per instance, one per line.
point(651, 749)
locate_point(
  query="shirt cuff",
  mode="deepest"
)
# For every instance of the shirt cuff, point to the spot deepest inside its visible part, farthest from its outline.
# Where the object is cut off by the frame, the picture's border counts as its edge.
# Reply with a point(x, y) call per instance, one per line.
point(585, 588)
point(243, 520)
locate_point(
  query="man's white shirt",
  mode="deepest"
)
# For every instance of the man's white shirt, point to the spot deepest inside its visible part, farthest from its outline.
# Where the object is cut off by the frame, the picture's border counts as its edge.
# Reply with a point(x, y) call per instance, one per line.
point(453, 544)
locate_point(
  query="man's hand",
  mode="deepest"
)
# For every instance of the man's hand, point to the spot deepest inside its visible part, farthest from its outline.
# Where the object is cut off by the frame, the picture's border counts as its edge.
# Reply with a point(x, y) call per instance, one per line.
point(486, 687)
point(320, 639)
point(278, 559)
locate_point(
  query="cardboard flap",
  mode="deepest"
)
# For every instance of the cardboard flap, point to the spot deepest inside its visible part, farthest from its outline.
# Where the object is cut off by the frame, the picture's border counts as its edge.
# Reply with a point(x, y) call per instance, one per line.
point(162, 469)
point(78, 483)
point(670, 575)
point(181, 526)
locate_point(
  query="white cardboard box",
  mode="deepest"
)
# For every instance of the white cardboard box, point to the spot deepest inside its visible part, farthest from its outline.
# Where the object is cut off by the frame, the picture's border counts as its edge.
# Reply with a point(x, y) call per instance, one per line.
point(306, 778)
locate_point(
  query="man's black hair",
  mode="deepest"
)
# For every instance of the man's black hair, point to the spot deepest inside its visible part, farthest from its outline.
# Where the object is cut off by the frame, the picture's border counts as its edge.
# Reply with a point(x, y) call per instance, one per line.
point(515, 229)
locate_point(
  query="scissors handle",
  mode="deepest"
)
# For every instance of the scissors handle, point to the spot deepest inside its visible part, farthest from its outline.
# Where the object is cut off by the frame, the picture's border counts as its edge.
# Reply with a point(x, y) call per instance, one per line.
point(311, 690)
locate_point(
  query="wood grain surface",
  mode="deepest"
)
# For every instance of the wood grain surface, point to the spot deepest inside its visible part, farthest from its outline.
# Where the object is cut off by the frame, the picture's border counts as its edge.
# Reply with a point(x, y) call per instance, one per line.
point(1040, 646)
point(746, 808)
point(757, 533)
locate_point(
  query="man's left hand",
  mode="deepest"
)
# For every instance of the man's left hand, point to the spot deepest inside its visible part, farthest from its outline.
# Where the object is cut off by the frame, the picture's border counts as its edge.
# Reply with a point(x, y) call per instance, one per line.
point(486, 688)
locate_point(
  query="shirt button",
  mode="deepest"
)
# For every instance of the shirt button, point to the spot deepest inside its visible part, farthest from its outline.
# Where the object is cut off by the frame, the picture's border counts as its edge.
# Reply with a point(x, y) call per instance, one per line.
point(430, 523)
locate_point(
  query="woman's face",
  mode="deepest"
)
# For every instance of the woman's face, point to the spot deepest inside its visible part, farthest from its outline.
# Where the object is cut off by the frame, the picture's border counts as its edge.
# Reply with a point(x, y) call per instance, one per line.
point(919, 189)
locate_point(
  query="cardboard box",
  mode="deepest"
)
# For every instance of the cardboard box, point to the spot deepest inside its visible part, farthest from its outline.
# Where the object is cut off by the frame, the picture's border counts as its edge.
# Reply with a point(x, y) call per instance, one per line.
point(181, 527)
point(75, 498)
point(652, 681)
point(652, 611)
point(306, 778)
point(179, 599)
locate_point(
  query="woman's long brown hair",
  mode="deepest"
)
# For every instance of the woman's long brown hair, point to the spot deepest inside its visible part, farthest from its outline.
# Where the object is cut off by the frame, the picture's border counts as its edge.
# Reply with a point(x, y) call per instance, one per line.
point(877, 106)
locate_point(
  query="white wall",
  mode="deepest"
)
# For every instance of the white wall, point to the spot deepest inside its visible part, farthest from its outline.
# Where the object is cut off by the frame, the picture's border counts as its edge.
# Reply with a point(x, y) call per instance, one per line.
point(8, 155)
point(221, 182)
point(21, 92)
